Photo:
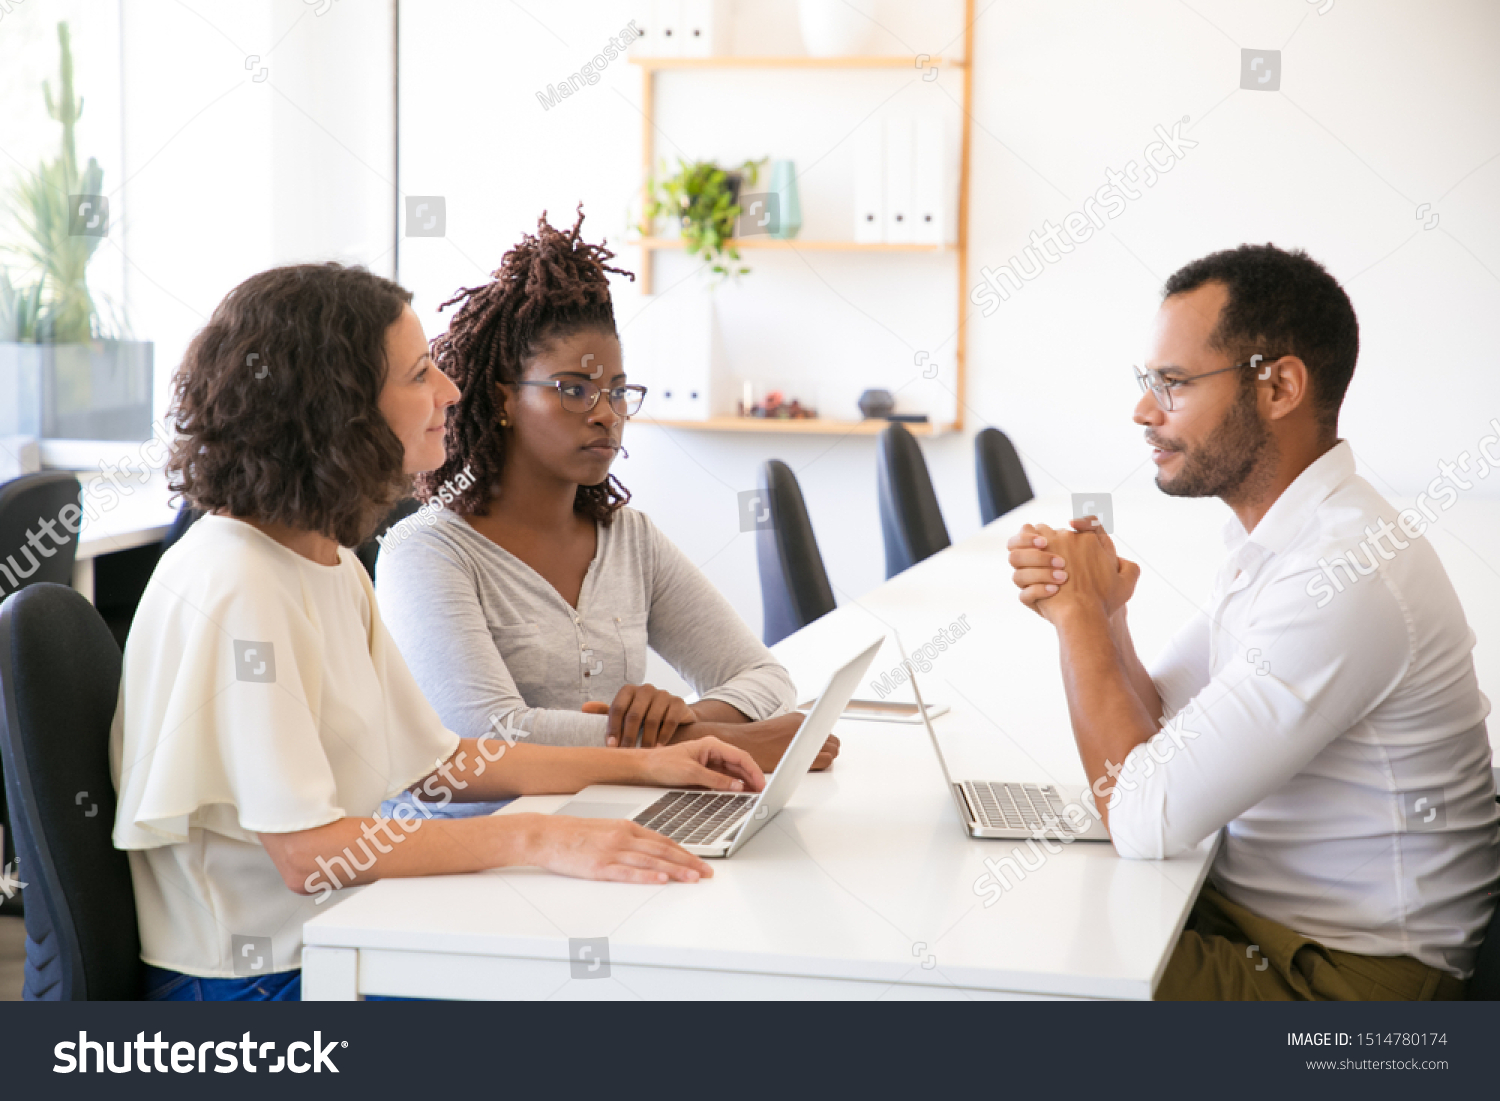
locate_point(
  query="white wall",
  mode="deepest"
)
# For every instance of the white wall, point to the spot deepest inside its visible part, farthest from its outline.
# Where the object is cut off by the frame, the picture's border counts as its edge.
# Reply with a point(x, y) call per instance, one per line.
point(227, 175)
point(1383, 106)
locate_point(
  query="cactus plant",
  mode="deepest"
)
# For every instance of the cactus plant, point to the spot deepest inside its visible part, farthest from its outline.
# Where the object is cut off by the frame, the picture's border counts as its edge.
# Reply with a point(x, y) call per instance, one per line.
point(57, 307)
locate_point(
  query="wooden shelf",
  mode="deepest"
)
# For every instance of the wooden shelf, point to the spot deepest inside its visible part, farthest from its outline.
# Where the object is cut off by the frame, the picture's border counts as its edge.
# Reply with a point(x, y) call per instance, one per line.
point(864, 61)
point(811, 426)
point(650, 246)
point(774, 244)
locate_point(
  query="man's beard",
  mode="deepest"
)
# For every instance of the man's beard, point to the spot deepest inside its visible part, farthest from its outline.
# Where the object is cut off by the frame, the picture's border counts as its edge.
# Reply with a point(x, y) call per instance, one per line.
point(1237, 453)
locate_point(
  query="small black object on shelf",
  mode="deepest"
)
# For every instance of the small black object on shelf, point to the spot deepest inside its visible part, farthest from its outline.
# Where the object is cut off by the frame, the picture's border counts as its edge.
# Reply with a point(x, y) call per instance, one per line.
point(877, 404)
point(907, 418)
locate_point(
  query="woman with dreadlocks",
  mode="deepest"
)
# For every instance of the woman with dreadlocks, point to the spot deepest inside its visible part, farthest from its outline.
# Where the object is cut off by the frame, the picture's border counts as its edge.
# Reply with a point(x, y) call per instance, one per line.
point(530, 603)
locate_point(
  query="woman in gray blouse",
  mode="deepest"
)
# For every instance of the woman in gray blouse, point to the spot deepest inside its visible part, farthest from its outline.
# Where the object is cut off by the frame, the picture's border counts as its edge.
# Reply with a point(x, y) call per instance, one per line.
point(528, 603)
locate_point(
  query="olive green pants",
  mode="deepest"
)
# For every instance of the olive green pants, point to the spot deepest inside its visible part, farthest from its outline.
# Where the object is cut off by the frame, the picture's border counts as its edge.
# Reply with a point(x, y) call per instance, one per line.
point(1226, 953)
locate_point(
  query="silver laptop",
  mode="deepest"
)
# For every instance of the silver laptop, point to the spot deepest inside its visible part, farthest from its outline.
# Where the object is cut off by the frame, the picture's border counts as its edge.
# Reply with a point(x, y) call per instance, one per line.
point(1015, 811)
point(718, 823)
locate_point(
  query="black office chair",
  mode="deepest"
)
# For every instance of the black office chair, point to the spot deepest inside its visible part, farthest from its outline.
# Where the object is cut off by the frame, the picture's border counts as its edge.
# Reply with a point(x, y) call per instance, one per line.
point(369, 551)
point(794, 588)
point(59, 677)
point(1484, 984)
point(26, 502)
point(910, 518)
point(1002, 479)
point(186, 517)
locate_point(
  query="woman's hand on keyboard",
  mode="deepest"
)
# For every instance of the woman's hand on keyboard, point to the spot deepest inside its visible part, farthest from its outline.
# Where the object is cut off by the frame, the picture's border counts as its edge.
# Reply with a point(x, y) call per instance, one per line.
point(702, 762)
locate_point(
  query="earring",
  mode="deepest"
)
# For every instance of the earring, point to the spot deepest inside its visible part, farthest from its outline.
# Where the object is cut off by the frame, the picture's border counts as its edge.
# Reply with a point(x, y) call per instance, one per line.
point(504, 421)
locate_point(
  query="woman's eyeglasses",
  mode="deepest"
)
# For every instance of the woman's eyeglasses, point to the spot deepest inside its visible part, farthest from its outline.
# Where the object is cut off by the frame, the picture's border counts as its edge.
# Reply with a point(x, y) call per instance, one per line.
point(580, 397)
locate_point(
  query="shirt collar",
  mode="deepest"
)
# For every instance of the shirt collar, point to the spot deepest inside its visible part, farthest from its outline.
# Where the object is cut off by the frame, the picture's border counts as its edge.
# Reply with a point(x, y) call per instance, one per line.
point(1288, 514)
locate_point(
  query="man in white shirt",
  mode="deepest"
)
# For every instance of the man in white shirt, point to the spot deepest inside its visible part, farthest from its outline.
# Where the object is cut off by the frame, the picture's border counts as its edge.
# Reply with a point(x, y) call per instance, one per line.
point(1325, 707)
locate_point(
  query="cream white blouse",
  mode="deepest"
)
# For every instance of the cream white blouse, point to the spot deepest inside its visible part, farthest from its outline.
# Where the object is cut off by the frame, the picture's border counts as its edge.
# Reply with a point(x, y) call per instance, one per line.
point(260, 694)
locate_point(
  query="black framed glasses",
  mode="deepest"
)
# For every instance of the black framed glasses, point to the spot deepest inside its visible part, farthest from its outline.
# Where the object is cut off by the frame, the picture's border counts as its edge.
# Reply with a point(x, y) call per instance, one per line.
point(1160, 387)
point(579, 396)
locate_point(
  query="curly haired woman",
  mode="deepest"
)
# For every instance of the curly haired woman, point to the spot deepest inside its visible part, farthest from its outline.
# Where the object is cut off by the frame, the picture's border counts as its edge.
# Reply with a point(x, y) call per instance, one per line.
point(264, 712)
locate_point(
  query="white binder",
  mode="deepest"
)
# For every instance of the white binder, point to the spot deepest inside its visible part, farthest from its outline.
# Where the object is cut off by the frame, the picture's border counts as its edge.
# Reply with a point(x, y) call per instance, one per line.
point(899, 158)
point(643, 15)
point(705, 28)
point(932, 218)
point(869, 183)
point(667, 14)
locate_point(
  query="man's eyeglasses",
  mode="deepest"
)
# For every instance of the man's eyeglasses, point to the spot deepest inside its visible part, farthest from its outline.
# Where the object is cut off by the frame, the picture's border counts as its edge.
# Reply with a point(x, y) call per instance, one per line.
point(1161, 387)
point(580, 397)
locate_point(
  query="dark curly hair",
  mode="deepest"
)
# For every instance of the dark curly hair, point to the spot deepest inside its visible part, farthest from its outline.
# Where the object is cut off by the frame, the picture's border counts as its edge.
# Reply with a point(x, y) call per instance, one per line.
point(276, 403)
point(549, 286)
point(1282, 303)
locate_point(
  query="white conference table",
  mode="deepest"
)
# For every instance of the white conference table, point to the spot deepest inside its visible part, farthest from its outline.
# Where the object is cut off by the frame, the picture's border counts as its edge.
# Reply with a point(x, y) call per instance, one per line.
point(864, 887)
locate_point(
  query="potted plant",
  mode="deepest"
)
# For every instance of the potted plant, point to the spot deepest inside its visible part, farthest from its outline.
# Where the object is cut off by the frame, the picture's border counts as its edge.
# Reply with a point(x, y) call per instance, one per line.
point(702, 201)
point(66, 371)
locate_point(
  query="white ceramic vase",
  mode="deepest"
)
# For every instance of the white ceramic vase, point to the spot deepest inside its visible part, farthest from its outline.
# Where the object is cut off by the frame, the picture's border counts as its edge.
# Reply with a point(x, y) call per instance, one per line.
point(831, 28)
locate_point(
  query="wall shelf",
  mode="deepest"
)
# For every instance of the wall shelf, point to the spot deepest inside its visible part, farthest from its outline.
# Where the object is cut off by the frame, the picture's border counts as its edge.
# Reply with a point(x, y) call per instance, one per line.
point(810, 426)
point(868, 61)
point(649, 246)
point(777, 244)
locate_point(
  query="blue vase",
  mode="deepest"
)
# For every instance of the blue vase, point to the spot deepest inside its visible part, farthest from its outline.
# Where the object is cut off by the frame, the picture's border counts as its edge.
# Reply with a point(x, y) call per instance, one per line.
point(784, 185)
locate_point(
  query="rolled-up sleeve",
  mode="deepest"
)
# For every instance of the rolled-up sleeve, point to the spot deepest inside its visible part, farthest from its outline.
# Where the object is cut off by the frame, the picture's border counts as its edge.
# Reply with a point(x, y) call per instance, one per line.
point(1298, 678)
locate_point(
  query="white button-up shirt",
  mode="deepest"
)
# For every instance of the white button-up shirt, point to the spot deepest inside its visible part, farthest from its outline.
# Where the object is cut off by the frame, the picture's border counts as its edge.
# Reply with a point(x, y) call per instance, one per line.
point(1325, 710)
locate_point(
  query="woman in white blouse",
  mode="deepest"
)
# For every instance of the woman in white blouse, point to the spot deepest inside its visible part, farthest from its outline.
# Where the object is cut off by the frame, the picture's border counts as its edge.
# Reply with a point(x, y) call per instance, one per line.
point(264, 712)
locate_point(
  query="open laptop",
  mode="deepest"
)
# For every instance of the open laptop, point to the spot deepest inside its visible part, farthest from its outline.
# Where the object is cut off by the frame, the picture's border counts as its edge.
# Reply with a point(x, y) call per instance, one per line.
point(1015, 811)
point(718, 823)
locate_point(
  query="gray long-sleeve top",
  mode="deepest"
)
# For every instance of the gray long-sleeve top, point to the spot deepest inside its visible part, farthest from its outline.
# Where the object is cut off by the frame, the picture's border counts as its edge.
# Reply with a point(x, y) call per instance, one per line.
point(492, 644)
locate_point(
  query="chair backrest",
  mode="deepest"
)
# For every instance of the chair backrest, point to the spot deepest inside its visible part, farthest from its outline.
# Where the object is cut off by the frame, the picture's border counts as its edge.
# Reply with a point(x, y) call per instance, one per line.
point(1484, 984)
point(794, 588)
point(31, 548)
point(1002, 479)
point(368, 552)
point(910, 518)
point(59, 683)
point(186, 517)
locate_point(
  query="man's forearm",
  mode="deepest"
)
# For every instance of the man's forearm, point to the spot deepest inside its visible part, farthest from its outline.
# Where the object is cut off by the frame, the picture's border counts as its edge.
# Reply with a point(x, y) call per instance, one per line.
point(1109, 718)
point(1140, 680)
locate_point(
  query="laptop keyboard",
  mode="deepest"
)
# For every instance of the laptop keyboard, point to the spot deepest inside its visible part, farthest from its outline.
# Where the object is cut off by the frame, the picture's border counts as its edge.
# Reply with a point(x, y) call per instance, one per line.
point(694, 817)
point(1017, 806)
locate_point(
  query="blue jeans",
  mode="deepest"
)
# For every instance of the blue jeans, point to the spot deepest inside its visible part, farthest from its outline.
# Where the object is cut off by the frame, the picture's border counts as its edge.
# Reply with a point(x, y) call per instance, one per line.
point(162, 985)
